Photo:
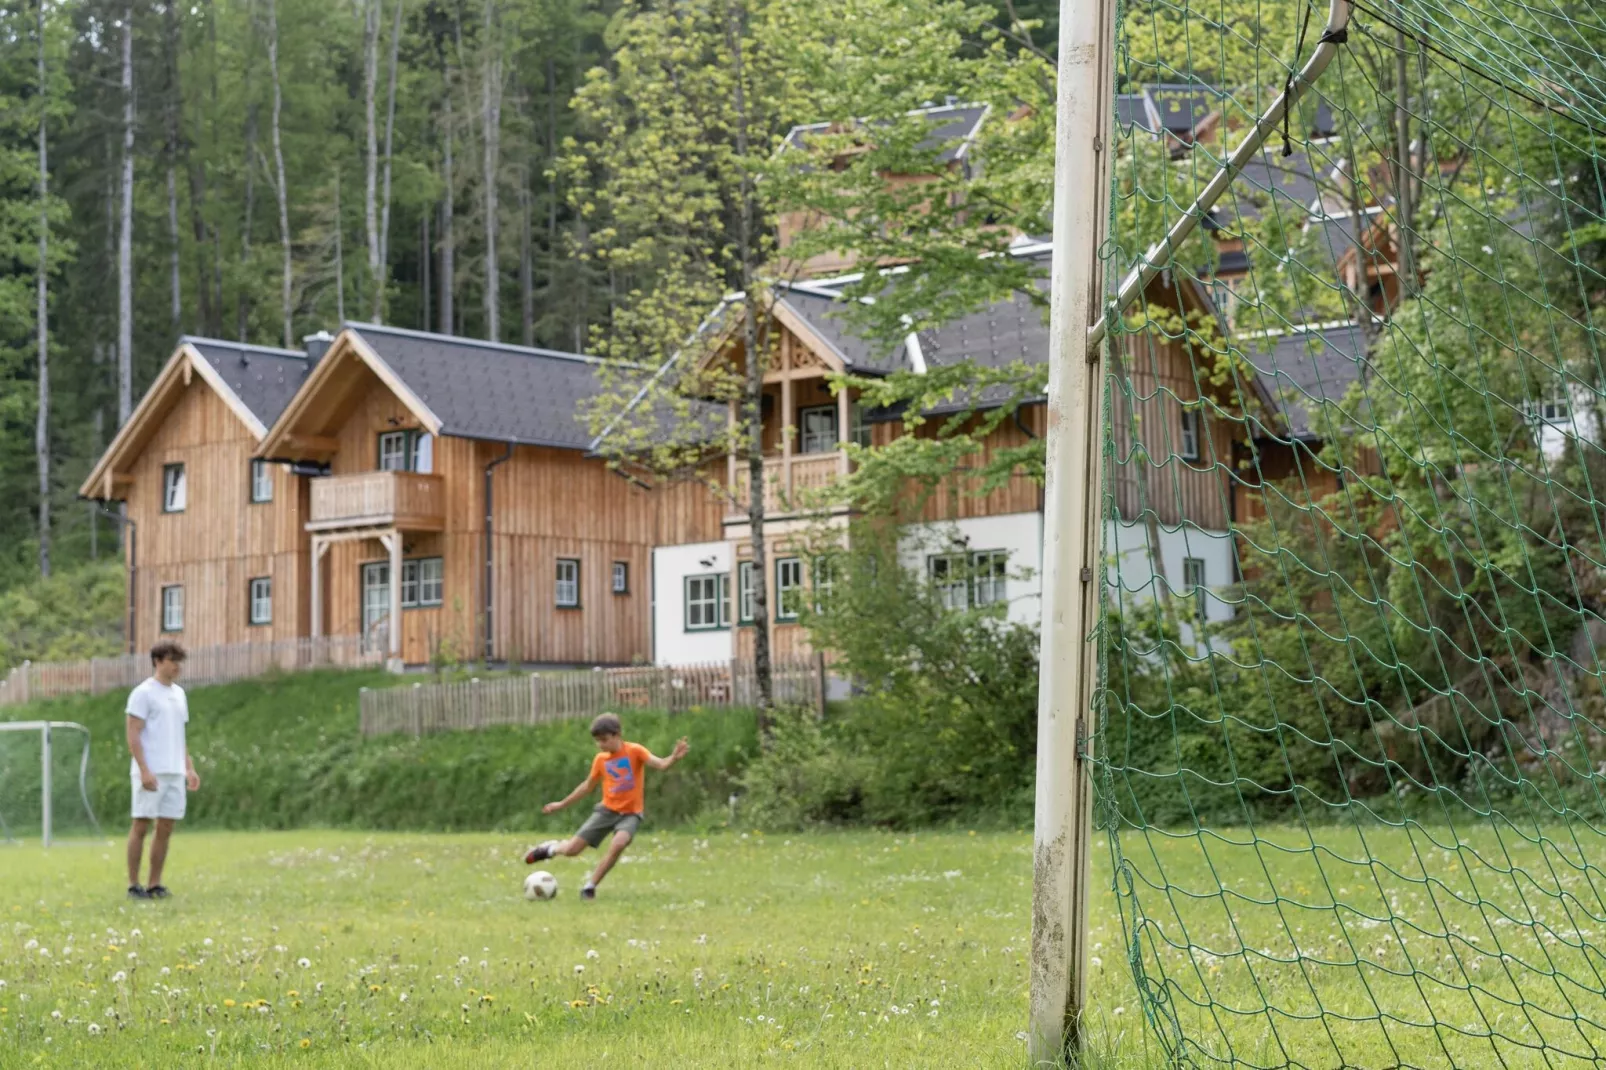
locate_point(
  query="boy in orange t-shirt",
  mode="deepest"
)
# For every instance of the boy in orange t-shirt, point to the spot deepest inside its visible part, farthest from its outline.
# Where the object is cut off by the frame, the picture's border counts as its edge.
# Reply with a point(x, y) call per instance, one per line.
point(620, 768)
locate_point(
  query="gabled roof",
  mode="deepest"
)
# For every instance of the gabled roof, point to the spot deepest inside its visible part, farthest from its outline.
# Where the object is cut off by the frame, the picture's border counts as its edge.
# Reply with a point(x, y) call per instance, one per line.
point(460, 387)
point(254, 382)
point(953, 128)
point(1306, 368)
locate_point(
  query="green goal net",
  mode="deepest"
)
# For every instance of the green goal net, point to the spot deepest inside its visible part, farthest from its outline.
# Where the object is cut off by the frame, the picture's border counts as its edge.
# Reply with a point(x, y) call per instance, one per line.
point(1351, 758)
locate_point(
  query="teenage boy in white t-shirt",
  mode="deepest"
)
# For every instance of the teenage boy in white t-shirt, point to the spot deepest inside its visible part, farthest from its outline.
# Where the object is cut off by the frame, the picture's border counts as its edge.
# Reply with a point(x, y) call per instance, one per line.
point(160, 768)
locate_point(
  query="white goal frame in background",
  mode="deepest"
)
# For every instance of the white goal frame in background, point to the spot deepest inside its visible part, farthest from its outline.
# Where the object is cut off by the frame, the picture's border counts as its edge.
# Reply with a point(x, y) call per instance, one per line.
point(45, 729)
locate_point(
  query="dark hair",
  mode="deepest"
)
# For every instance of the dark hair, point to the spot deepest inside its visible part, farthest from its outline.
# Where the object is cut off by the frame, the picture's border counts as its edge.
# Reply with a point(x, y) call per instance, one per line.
point(167, 650)
point(607, 725)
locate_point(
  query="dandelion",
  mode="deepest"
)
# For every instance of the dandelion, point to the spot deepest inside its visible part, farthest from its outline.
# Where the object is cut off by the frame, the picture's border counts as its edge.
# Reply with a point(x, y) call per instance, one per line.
point(165, 971)
point(592, 955)
point(228, 1003)
point(402, 998)
point(579, 968)
point(204, 943)
point(56, 1015)
point(1119, 1011)
point(305, 1043)
point(119, 977)
point(94, 1029)
point(304, 963)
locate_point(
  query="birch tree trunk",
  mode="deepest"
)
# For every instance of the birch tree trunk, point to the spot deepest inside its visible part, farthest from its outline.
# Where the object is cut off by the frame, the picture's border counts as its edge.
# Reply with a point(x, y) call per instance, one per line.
point(340, 258)
point(279, 184)
point(244, 302)
point(171, 105)
point(370, 75)
point(390, 131)
point(41, 433)
point(526, 264)
point(448, 232)
point(753, 381)
point(491, 119)
point(125, 234)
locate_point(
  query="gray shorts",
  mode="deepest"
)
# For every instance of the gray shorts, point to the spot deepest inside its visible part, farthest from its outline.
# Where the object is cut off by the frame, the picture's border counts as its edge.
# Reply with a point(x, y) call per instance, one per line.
point(603, 821)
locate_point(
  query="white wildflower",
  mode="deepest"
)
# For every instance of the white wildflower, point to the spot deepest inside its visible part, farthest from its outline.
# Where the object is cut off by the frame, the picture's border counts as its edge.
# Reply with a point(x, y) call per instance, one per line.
point(592, 955)
point(579, 968)
point(303, 962)
point(119, 977)
point(94, 1029)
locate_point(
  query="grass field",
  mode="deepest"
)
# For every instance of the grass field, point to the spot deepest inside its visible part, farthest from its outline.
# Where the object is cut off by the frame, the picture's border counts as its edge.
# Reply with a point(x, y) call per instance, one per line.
point(393, 950)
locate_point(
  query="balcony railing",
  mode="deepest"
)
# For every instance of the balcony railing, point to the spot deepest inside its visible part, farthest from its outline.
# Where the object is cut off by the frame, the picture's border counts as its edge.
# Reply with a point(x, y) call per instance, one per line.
point(408, 500)
point(809, 474)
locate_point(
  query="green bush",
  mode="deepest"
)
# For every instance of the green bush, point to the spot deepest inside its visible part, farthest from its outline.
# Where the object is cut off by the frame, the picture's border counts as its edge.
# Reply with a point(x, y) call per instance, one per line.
point(77, 613)
point(283, 751)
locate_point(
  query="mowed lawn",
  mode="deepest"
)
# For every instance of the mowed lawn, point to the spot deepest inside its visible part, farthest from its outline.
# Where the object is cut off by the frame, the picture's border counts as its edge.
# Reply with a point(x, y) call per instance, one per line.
point(392, 950)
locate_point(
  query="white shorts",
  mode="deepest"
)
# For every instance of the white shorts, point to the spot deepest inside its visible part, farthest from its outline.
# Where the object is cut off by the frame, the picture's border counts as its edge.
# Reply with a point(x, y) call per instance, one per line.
point(166, 801)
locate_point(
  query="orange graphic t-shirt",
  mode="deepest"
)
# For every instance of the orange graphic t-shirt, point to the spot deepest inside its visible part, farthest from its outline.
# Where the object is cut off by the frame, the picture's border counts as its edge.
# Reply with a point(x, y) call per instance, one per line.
point(622, 778)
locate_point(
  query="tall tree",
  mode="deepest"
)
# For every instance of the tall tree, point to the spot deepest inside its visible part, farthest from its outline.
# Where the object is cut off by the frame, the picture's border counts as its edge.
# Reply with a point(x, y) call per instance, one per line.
point(279, 187)
point(491, 143)
point(41, 435)
point(125, 233)
point(172, 104)
point(370, 78)
point(390, 132)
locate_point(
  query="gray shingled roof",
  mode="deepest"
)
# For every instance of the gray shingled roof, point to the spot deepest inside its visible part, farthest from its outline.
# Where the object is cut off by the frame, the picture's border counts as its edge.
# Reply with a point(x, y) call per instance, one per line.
point(488, 390)
point(263, 378)
point(1303, 369)
point(953, 126)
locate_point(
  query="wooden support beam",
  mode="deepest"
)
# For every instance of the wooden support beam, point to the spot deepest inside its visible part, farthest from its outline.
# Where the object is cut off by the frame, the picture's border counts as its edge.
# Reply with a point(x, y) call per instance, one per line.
point(309, 445)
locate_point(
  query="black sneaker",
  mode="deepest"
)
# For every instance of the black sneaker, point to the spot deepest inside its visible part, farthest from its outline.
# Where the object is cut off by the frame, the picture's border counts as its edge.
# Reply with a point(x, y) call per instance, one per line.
point(539, 853)
point(136, 892)
point(588, 891)
point(157, 891)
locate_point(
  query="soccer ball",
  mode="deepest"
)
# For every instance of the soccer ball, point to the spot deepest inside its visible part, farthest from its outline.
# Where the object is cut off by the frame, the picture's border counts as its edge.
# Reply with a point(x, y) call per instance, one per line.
point(540, 885)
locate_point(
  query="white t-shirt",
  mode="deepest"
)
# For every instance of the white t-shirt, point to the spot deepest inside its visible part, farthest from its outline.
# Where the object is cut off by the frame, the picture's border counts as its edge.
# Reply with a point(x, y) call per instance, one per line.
point(165, 712)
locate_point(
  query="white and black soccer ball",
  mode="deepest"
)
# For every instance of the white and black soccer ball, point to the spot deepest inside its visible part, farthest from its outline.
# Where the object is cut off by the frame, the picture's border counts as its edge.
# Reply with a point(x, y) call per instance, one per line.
point(540, 885)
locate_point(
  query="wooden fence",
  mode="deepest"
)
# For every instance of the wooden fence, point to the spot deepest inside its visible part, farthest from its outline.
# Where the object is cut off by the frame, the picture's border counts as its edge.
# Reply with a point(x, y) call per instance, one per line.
point(205, 665)
point(543, 697)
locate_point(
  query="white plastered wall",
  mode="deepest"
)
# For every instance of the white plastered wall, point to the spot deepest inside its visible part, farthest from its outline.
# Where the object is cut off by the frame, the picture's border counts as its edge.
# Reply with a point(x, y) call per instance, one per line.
point(672, 643)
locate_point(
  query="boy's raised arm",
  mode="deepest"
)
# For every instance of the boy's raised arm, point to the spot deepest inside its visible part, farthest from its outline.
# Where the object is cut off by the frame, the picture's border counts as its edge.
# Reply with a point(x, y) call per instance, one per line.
point(573, 797)
point(681, 747)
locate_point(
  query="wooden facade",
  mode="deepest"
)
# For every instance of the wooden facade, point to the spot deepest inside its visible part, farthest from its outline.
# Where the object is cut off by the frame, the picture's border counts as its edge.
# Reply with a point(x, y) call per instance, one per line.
point(220, 540)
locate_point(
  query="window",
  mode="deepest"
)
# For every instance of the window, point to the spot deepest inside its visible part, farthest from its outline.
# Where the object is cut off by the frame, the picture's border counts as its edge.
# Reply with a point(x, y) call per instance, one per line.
point(406, 451)
point(745, 592)
point(173, 496)
point(948, 574)
point(824, 582)
point(621, 577)
point(858, 427)
point(393, 451)
point(1190, 434)
point(819, 429)
point(707, 602)
point(172, 609)
point(568, 582)
point(989, 570)
point(422, 452)
point(788, 587)
point(261, 481)
point(422, 582)
point(262, 600)
point(1193, 582)
point(1555, 410)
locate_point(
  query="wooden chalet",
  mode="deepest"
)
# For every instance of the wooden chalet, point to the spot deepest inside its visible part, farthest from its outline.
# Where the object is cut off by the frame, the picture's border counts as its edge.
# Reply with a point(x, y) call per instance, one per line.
point(216, 552)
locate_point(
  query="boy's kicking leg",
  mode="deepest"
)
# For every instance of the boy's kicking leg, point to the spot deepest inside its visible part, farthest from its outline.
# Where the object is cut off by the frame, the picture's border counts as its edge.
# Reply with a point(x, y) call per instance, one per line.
point(554, 849)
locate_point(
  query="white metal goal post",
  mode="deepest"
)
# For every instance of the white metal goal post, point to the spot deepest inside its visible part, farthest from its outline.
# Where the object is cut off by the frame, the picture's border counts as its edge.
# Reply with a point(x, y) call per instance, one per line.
point(46, 730)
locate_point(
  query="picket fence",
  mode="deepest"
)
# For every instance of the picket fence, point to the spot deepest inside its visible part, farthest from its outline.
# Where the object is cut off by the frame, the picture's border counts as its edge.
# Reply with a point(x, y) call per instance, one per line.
point(204, 665)
point(543, 697)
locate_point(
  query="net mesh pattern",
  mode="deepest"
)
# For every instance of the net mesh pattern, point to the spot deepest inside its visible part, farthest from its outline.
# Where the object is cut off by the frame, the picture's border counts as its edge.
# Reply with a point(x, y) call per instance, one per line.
point(1351, 754)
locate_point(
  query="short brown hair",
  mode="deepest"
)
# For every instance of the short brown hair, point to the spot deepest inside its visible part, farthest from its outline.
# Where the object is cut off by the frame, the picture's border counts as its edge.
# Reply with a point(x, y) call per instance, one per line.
point(167, 650)
point(607, 725)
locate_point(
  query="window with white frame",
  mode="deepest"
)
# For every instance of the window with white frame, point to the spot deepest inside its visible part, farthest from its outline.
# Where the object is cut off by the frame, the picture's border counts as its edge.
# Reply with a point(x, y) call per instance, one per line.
point(421, 452)
point(1193, 583)
point(858, 426)
point(819, 429)
point(261, 481)
point(788, 587)
point(707, 602)
point(422, 582)
point(173, 609)
point(262, 600)
point(1190, 434)
point(621, 577)
point(948, 576)
point(745, 592)
point(393, 451)
point(173, 488)
point(989, 577)
point(824, 581)
point(568, 582)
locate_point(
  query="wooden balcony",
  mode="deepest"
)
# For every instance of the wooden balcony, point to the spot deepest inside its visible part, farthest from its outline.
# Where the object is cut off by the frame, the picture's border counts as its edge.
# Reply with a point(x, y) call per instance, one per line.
point(408, 501)
point(790, 484)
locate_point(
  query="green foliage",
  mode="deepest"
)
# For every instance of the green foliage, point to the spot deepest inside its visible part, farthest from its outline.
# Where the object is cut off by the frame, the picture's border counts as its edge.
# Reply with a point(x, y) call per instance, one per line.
point(284, 751)
point(943, 722)
point(77, 613)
